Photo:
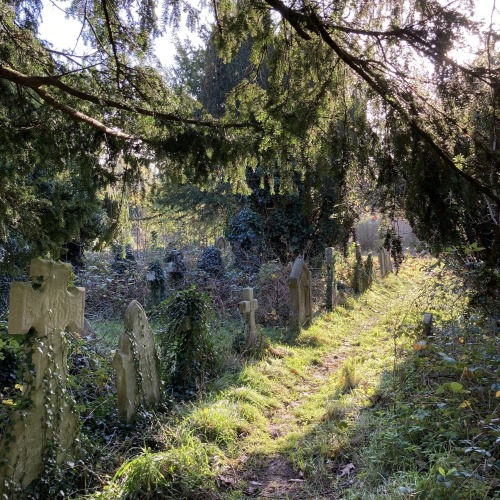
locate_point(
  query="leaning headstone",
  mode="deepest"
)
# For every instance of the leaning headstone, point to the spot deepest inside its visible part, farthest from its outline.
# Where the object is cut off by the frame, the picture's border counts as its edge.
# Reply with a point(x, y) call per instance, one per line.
point(248, 306)
point(299, 285)
point(46, 430)
point(330, 279)
point(427, 324)
point(136, 364)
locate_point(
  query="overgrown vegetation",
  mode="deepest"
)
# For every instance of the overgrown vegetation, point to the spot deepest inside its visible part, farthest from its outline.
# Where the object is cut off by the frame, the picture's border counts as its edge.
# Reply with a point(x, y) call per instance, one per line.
point(292, 122)
point(360, 406)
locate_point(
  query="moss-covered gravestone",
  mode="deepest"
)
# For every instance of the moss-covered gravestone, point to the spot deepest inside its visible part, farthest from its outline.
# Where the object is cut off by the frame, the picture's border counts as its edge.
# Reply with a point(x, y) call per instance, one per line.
point(299, 285)
point(46, 429)
point(136, 364)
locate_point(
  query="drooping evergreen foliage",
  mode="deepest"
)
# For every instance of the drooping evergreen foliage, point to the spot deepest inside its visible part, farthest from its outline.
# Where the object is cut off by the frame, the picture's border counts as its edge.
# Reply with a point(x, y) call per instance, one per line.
point(364, 93)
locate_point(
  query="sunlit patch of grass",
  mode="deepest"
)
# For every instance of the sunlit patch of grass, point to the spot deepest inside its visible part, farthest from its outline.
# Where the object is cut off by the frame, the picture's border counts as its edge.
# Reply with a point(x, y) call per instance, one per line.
point(219, 422)
point(224, 422)
point(253, 377)
point(249, 395)
point(187, 469)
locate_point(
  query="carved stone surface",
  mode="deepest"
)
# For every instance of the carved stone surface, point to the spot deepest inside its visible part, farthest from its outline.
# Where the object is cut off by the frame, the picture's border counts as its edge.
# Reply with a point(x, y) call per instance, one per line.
point(248, 306)
point(48, 425)
point(136, 364)
point(299, 285)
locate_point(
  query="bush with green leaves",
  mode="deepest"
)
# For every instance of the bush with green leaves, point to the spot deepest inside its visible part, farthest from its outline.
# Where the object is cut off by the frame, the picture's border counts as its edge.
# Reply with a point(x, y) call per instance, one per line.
point(187, 349)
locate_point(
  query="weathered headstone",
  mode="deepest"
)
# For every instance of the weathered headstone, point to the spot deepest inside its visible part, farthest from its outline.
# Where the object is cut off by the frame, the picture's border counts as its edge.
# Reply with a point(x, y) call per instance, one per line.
point(384, 260)
point(363, 271)
point(156, 280)
point(248, 306)
point(136, 364)
point(47, 428)
point(331, 294)
point(299, 285)
point(427, 324)
point(222, 244)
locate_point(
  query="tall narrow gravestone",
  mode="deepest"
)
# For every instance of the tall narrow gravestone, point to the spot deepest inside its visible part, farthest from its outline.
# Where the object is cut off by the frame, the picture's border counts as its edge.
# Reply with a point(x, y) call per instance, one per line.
point(248, 306)
point(47, 428)
point(136, 364)
point(330, 279)
point(299, 285)
point(384, 260)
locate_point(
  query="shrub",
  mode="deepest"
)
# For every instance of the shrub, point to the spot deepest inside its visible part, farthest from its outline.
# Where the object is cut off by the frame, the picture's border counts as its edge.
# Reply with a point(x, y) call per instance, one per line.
point(211, 261)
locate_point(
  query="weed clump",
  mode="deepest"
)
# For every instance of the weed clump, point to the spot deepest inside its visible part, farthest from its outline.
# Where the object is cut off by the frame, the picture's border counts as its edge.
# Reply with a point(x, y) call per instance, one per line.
point(188, 469)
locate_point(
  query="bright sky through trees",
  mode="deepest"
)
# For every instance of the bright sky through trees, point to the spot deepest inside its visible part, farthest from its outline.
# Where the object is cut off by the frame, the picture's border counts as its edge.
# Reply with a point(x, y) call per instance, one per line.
point(63, 32)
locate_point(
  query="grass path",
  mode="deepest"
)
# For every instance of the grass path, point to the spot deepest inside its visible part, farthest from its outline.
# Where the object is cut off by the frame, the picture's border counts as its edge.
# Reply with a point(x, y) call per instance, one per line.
point(324, 383)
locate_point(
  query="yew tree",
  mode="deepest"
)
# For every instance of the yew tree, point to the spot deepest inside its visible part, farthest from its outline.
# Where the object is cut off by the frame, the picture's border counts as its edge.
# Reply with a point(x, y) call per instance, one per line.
point(381, 75)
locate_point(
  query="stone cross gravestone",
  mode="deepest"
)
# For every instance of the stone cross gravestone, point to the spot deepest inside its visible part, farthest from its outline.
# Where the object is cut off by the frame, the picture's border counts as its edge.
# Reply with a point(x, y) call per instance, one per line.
point(136, 364)
point(47, 428)
point(330, 279)
point(248, 306)
point(299, 285)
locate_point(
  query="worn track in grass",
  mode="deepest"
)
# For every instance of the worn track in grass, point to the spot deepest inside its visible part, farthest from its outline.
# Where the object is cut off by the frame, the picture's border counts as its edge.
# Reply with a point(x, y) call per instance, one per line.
point(267, 469)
